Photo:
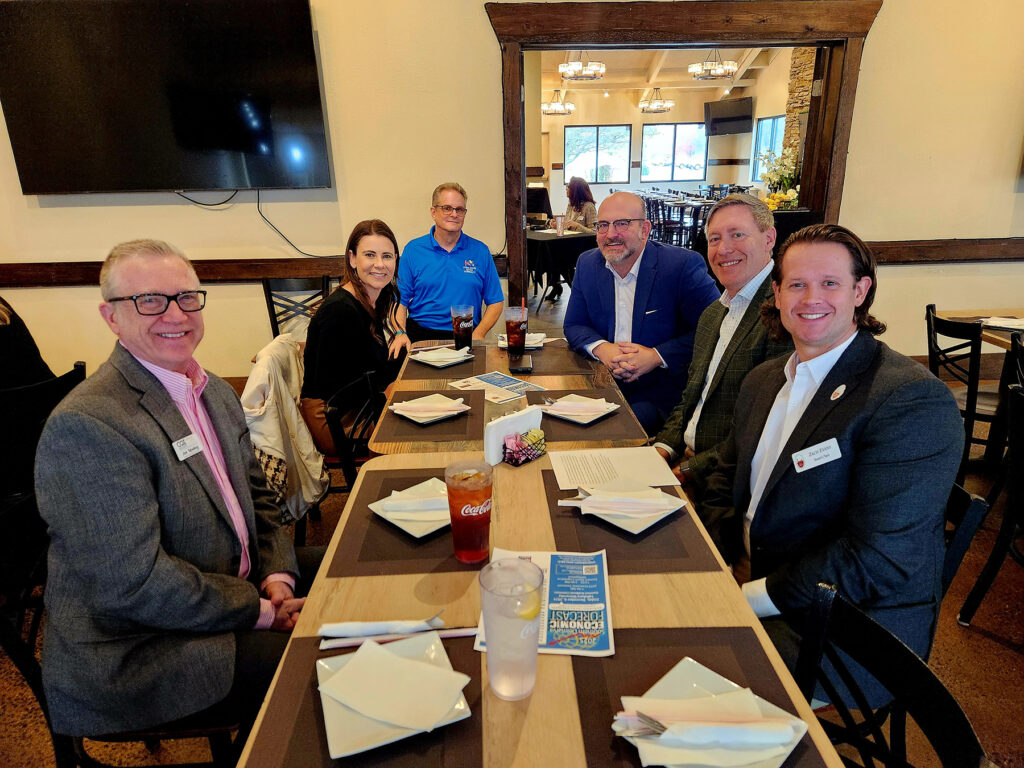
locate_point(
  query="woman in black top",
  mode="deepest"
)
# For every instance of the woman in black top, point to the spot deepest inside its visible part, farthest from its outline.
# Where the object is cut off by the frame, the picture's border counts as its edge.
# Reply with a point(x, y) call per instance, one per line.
point(354, 331)
point(20, 360)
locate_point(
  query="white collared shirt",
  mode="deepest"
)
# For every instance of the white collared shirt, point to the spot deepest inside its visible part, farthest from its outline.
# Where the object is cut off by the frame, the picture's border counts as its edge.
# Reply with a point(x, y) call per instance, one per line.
point(737, 306)
point(625, 292)
point(802, 382)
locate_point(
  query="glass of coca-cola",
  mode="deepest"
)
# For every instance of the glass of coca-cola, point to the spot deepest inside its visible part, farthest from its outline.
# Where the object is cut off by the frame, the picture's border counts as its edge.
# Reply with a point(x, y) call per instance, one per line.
point(469, 504)
point(462, 325)
point(515, 330)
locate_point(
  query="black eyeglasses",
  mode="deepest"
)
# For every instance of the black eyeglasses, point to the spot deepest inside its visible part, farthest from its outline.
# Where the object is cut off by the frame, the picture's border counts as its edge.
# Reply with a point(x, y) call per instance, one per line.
point(602, 226)
point(447, 210)
point(157, 303)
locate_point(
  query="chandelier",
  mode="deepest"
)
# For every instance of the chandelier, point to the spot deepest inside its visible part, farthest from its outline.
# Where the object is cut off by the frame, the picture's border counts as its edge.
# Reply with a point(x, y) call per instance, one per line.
point(713, 68)
point(557, 106)
point(572, 69)
point(655, 104)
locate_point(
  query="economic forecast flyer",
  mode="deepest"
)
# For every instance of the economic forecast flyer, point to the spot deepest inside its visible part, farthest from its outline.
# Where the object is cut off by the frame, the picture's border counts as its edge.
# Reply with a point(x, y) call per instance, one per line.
point(576, 615)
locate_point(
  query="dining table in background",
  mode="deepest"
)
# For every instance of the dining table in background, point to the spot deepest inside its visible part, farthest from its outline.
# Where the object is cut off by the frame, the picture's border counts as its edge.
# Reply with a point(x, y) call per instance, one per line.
point(556, 368)
point(1008, 375)
point(555, 256)
point(681, 602)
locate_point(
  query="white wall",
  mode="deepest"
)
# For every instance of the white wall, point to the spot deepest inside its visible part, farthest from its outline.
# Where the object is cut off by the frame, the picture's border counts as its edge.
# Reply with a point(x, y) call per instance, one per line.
point(413, 97)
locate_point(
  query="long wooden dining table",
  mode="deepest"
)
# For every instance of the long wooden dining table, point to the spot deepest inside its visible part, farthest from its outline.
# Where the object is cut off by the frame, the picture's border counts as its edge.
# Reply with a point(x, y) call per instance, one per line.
point(557, 369)
point(671, 596)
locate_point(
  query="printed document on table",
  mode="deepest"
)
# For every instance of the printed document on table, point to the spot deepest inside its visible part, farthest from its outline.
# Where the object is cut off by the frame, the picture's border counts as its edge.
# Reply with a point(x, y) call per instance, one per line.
point(642, 465)
point(498, 387)
point(575, 613)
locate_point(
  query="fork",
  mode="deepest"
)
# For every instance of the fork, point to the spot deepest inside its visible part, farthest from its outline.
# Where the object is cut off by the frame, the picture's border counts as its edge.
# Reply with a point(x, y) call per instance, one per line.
point(649, 727)
point(548, 400)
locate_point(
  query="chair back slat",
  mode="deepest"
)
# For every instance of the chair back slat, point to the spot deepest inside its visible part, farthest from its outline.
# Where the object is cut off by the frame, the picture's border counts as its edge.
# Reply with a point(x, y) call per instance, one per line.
point(292, 301)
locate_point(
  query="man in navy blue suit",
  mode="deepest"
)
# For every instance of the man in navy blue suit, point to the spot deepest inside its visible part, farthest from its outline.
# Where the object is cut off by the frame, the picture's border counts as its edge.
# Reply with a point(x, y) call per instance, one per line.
point(635, 305)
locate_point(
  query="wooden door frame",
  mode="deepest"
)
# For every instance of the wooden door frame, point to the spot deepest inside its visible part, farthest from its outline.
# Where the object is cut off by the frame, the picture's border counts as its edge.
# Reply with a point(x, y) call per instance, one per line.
point(837, 26)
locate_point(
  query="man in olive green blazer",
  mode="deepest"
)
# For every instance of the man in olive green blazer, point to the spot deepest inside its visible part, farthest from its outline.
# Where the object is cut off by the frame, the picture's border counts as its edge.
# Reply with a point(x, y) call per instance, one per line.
point(730, 339)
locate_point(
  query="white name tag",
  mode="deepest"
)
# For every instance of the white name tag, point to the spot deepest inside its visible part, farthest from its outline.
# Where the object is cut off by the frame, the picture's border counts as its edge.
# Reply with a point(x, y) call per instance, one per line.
point(822, 453)
point(187, 446)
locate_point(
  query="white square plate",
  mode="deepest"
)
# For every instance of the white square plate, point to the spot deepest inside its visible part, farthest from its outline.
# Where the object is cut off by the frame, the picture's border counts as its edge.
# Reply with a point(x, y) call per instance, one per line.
point(533, 341)
point(689, 679)
point(578, 419)
point(416, 528)
point(348, 732)
point(441, 364)
point(428, 400)
point(633, 523)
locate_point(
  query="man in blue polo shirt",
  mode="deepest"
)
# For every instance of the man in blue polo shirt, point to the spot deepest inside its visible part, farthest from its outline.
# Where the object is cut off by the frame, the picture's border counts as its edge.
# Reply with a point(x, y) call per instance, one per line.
point(444, 268)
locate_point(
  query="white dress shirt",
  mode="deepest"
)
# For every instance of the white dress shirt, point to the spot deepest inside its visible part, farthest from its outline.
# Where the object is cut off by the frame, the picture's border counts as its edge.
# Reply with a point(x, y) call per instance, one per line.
point(802, 382)
point(737, 308)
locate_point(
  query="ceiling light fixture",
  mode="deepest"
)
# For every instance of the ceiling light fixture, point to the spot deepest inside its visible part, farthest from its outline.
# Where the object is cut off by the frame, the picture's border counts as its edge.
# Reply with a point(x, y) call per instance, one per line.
point(655, 104)
point(713, 68)
point(557, 106)
point(580, 69)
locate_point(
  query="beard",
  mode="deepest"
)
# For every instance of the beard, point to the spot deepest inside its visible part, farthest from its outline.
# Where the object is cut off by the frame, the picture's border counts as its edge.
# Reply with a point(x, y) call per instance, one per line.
point(612, 258)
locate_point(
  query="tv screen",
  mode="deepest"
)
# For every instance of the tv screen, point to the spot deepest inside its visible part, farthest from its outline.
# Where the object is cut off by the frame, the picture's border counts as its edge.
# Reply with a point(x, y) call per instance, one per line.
point(729, 116)
point(161, 95)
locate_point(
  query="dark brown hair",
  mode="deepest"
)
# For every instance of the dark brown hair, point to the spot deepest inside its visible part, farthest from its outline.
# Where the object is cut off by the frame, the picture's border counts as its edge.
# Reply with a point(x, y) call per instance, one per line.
point(383, 313)
point(862, 264)
point(579, 193)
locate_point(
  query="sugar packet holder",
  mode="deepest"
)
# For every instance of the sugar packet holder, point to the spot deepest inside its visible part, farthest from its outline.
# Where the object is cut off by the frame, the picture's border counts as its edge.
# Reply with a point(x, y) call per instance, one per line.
point(512, 424)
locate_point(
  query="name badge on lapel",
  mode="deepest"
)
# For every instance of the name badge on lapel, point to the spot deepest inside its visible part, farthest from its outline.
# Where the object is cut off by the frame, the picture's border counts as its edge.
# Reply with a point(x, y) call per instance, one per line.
point(187, 446)
point(822, 453)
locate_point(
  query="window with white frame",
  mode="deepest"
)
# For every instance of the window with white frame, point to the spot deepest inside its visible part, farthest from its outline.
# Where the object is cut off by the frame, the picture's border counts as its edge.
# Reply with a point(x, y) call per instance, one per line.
point(673, 152)
point(767, 137)
point(597, 153)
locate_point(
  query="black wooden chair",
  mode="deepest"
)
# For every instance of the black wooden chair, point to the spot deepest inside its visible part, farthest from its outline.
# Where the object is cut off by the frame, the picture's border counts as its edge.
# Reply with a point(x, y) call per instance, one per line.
point(1013, 514)
point(962, 362)
point(834, 625)
point(291, 301)
point(352, 413)
point(964, 513)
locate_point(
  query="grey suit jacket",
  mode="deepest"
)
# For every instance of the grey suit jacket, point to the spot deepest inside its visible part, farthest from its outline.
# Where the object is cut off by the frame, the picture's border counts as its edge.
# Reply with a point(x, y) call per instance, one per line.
point(748, 347)
point(142, 593)
point(870, 522)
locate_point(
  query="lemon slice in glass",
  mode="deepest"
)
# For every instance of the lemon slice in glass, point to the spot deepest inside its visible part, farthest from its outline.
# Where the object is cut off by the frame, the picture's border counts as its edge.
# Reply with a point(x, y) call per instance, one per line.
point(529, 606)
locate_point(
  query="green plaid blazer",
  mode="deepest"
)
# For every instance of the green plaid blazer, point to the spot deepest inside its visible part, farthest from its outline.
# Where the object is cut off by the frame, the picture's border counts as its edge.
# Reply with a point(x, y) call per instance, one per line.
point(749, 347)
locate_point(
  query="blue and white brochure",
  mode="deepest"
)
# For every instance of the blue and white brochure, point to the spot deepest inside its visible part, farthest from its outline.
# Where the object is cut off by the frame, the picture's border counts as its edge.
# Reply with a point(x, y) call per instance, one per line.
point(575, 613)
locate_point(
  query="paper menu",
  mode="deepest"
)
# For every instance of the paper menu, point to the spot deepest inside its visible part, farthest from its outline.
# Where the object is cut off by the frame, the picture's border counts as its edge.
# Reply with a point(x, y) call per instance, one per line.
point(642, 465)
point(498, 387)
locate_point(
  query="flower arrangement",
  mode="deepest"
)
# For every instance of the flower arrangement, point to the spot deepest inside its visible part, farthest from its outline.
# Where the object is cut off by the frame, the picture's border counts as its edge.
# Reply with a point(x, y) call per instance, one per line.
point(779, 170)
point(781, 200)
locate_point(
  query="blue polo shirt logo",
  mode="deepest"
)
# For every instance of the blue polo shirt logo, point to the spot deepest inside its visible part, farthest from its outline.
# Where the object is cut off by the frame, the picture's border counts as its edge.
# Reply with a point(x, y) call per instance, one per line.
point(469, 267)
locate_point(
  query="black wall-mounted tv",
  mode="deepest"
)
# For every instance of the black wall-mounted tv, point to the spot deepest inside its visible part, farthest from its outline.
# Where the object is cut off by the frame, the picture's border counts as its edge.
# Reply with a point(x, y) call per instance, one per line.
point(729, 116)
point(161, 95)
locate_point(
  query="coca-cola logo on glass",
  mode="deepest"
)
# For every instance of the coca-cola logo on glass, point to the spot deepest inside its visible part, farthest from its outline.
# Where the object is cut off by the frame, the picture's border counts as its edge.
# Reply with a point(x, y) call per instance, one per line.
point(481, 509)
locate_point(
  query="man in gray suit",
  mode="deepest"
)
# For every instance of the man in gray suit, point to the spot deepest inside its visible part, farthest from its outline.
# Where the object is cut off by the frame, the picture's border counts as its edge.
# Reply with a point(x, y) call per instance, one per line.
point(167, 560)
point(842, 456)
point(730, 338)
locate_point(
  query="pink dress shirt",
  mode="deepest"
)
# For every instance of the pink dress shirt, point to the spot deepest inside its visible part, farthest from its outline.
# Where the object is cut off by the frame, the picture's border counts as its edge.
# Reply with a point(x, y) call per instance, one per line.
point(186, 391)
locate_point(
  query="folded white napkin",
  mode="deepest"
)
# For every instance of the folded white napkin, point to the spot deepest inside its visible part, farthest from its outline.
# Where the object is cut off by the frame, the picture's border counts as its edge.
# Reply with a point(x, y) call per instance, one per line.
point(387, 687)
point(442, 354)
point(424, 502)
point(432, 405)
point(1003, 322)
point(532, 339)
point(579, 406)
point(373, 628)
point(625, 500)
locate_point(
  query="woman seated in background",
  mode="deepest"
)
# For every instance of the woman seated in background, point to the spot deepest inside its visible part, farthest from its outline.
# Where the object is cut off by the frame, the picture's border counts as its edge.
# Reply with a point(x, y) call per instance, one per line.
point(20, 361)
point(354, 331)
point(581, 213)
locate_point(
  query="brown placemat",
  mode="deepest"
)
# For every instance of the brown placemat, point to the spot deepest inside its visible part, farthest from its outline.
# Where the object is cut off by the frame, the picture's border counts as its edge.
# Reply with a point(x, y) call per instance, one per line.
point(555, 359)
point(422, 372)
point(466, 426)
point(643, 656)
point(371, 546)
point(293, 733)
point(617, 425)
point(671, 545)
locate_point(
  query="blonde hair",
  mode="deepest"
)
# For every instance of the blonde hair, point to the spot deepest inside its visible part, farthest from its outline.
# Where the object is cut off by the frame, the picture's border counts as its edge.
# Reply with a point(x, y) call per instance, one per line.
point(758, 209)
point(122, 251)
point(452, 185)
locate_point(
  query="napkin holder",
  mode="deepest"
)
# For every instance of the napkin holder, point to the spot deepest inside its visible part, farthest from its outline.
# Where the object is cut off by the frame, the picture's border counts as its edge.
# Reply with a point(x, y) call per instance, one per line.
point(510, 424)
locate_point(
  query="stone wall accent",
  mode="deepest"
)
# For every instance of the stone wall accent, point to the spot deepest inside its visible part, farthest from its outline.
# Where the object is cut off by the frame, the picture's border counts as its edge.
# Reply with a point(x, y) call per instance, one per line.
point(801, 74)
